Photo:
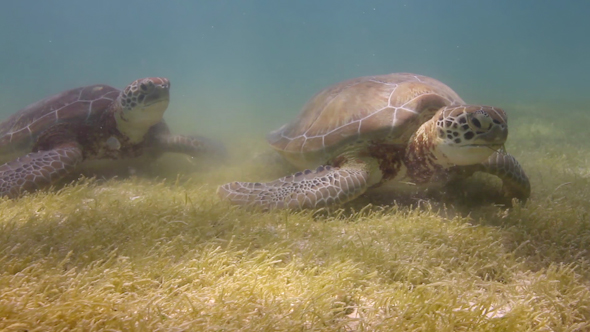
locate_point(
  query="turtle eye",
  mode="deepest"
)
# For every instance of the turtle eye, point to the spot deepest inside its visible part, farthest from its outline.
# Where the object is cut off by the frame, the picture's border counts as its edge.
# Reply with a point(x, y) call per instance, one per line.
point(476, 123)
point(143, 87)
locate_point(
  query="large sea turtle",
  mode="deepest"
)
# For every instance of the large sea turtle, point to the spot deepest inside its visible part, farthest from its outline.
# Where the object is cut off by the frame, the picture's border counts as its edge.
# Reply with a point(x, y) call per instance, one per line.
point(45, 141)
point(366, 131)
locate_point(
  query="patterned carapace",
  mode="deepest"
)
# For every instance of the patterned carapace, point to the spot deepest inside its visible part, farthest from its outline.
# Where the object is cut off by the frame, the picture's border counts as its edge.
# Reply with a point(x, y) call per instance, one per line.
point(403, 127)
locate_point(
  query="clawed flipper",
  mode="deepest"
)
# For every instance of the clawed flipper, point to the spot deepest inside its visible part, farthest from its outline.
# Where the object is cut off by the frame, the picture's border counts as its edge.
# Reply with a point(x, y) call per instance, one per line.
point(515, 183)
point(308, 189)
point(37, 170)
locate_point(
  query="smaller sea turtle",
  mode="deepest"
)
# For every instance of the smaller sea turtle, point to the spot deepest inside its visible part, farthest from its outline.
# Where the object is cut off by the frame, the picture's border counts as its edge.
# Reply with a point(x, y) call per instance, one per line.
point(45, 141)
point(363, 132)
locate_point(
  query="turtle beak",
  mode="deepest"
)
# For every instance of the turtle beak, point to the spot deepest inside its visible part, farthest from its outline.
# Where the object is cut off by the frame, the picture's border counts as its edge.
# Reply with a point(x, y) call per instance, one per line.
point(500, 149)
point(497, 134)
point(157, 95)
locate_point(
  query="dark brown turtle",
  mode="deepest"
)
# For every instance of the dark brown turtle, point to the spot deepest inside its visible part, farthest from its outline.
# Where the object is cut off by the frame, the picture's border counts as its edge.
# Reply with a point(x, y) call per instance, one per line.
point(403, 128)
point(47, 140)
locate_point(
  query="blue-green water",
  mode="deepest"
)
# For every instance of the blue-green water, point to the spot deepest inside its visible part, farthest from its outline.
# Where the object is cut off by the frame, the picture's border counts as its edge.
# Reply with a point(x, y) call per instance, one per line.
point(238, 64)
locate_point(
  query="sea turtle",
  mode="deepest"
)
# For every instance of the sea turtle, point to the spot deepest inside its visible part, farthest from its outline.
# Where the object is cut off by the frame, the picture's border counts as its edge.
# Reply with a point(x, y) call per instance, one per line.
point(363, 132)
point(46, 140)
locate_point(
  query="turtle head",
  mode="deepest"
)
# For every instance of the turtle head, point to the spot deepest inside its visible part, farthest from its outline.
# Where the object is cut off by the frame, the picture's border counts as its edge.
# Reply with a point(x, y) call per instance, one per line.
point(469, 134)
point(141, 105)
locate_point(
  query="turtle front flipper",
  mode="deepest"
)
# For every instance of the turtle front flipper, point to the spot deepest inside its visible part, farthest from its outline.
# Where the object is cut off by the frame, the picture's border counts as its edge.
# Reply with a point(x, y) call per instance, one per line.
point(515, 183)
point(38, 170)
point(308, 189)
point(195, 146)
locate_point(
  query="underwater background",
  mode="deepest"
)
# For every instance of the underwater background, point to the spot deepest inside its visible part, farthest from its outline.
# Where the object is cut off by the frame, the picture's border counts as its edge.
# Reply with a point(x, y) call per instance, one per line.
point(241, 67)
point(157, 250)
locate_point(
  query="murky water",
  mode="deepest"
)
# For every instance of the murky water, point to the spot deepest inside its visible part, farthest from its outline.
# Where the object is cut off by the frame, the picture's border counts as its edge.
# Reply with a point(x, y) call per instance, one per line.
point(248, 66)
point(167, 253)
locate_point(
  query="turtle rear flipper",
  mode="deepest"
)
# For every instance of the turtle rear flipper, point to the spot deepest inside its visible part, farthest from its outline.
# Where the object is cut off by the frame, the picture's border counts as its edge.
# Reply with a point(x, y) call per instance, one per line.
point(308, 189)
point(38, 170)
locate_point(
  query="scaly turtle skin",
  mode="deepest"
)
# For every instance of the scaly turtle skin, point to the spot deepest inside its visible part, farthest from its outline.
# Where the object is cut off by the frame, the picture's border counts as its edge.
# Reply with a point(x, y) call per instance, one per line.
point(48, 139)
point(369, 130)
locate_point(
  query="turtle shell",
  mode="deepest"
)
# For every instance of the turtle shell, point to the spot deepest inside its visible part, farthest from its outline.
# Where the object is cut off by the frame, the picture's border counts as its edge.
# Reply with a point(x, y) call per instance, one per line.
point(390, 107)
point(79, 105)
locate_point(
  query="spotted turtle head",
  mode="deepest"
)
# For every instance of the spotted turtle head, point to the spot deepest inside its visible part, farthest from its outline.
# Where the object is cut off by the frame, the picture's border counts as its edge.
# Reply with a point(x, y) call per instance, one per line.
point(141, 105)
point(469, 134)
